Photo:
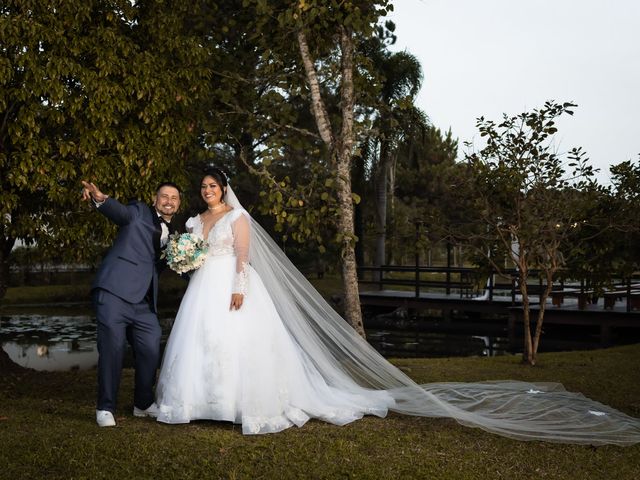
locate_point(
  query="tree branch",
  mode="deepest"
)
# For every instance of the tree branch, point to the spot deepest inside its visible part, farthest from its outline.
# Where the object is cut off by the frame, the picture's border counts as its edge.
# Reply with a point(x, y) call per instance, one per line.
point(302, 131)
point(317, 104)
point(347, 96)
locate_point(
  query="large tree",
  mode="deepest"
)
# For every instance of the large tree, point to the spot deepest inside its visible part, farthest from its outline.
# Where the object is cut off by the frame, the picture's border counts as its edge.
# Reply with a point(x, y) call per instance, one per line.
point(611, 238)
point(427, 170)
point(309, 53)
point(625, 251)
point(96, 89)
point(527, 203)
point(396, 119)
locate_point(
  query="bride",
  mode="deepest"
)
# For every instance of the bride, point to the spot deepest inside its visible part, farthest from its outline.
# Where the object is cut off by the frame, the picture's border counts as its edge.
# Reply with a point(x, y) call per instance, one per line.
point(255, 344)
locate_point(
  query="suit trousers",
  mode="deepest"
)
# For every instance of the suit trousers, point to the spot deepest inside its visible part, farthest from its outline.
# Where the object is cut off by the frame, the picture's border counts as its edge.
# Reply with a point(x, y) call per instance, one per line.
point(114, 316)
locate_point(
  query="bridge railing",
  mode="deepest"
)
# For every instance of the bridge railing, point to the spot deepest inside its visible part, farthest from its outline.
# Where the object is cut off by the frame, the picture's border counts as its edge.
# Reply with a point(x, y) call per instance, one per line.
point(474, 283)
point(468, 282)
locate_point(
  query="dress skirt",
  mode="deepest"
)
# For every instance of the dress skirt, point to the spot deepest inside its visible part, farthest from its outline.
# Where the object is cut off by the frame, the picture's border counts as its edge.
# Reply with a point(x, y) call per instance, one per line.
point(242, 366)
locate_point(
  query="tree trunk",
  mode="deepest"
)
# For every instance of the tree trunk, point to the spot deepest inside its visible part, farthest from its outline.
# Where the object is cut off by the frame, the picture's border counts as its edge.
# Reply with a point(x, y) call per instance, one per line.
point(6, 245)
point(381, 206)
point(318, 108)
point(341, 151)
point(359, 231)
point(543, 301)
point(394, 245)
point(352, 309)
point(358, 186)
point(528, 355)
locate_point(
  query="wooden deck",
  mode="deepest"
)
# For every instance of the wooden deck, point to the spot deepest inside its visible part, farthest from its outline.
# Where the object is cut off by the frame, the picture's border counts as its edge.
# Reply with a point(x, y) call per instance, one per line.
point(435, 301)
point(485, 301)
point(607, 321)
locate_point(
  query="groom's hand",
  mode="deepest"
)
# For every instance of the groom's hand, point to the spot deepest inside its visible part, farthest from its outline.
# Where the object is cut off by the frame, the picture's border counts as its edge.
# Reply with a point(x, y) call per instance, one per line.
point(236, 301)
point(91, 192)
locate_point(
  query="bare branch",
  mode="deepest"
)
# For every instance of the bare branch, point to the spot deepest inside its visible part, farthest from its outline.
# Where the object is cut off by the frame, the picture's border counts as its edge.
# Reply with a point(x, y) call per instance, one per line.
point(280, 126)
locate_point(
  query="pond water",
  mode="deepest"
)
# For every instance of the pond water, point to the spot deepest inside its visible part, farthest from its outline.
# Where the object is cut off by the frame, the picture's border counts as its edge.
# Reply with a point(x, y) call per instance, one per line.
point(415, 343)
point(45, 342)
point(53, 341)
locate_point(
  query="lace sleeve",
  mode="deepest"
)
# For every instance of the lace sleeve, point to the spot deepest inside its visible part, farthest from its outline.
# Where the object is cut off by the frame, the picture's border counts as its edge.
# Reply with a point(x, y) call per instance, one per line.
point(241, 234)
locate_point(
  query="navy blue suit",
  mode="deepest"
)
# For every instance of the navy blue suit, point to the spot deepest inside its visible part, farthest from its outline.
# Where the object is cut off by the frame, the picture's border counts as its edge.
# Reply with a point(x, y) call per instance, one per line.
point(125, 292)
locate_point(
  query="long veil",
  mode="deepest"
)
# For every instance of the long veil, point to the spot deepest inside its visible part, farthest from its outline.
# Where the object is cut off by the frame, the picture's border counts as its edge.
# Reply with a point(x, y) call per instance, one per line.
point(519, 410)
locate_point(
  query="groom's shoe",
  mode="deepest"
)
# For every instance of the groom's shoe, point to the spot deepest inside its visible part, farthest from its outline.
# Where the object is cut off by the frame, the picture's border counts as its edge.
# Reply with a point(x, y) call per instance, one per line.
point(151, 411)
point(104, 418)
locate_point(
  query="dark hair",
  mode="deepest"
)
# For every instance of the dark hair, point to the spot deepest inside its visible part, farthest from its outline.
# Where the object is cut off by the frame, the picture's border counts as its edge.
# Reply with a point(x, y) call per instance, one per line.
point(169, 184)
point(218, 175)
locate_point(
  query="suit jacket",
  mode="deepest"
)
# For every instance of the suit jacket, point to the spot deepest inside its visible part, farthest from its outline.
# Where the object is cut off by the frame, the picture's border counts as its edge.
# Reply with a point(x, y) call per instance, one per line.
point(131, 266)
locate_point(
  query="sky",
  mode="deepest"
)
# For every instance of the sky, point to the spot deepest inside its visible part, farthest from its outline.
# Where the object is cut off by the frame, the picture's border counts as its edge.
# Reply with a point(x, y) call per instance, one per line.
point(489, 57)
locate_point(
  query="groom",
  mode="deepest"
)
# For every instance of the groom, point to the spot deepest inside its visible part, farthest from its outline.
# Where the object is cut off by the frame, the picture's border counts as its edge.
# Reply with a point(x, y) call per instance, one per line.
point(125, 292)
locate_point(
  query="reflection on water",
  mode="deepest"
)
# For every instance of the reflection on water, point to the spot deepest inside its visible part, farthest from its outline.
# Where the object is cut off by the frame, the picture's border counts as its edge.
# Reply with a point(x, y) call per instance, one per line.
point(45, 342)
point(412, 343)
point(64, 342)
point(59, 356)
point(56, 342)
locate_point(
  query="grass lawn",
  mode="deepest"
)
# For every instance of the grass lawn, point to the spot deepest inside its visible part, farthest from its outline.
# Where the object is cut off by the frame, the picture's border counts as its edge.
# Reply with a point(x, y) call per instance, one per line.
point(47, 425)
point(47, 430)
point(172, 288)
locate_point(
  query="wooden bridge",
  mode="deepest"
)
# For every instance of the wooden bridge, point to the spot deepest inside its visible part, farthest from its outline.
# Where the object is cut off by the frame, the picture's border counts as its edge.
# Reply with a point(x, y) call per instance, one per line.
point(484, 299)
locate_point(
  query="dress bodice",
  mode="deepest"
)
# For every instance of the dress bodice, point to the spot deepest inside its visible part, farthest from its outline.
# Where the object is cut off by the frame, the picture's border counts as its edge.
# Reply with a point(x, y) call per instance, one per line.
point(220, 237)
point(228, 236)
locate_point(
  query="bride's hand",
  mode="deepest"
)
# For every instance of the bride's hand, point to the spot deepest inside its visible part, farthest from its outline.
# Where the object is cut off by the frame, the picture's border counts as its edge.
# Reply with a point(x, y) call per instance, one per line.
point(236, 301)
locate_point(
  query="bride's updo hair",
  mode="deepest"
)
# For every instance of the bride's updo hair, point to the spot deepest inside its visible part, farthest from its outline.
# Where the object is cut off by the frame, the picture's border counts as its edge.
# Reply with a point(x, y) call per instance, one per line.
point(219, 176)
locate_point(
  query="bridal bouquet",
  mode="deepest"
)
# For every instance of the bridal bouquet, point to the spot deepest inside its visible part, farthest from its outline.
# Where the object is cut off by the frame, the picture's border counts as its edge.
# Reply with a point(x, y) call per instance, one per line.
point(185, 252)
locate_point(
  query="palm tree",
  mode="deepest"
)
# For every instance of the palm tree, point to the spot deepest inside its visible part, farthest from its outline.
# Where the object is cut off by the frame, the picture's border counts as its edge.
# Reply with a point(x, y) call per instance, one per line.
point(401, 74)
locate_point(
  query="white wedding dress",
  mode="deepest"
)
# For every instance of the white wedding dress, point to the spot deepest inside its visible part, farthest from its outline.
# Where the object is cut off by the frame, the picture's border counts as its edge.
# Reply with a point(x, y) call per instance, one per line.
point(286, 356)
point(242, 365)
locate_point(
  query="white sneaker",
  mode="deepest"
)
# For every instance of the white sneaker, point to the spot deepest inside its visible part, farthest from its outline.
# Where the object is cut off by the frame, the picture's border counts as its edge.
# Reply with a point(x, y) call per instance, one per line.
point(152, 411)
point(104, 418)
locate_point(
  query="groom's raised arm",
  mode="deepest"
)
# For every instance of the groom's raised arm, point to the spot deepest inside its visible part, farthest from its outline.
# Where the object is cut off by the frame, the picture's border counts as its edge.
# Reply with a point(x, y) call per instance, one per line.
point(109, 207)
